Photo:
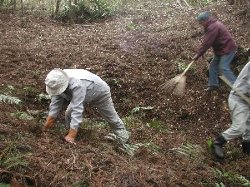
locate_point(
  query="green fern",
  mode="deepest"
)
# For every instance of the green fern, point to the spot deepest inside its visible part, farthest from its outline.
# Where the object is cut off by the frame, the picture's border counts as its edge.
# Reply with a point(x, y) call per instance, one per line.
point(190, 150)
point(131, 149)
point(42, 97)
point(138, 109)
point(131, 121)
point(210, 145)
point(22, 115)
point(219, 184)
point(158, 125)
point(9, 99)
point(11, 159)
point(234, 178)
point(14, 161)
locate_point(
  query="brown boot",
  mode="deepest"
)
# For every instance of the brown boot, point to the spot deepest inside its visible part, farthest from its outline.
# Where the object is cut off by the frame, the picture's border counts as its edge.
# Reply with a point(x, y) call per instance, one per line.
point(49, 123)
point(71, 136)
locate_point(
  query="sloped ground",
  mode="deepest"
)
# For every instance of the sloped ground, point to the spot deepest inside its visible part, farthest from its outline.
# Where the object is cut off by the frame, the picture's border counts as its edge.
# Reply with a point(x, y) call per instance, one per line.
point(135, 52)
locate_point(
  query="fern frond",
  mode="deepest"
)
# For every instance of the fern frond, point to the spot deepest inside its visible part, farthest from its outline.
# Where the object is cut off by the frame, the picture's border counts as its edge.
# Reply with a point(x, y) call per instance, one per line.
point(14, 161)
point(131, 149)
point(22, 115)
point(10, 158)
point(190, 150)
point(9, 99)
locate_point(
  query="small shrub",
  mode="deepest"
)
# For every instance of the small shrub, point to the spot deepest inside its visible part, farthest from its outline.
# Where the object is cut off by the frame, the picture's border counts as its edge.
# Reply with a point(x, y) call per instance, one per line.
point(92, 9)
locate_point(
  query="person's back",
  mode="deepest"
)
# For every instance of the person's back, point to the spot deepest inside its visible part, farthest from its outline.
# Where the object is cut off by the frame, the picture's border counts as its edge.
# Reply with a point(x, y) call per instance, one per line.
point(84, 74)
point(223, 42)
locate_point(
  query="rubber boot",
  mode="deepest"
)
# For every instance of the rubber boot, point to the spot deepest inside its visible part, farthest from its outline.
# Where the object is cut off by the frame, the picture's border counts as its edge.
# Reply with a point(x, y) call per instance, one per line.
point(246, 146)
point(71, 136)
point(119, 135)
point(218, 146)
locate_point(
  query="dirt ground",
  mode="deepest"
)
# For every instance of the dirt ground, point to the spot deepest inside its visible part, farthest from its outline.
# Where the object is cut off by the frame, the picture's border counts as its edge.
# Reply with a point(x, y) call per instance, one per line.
point(135, 52)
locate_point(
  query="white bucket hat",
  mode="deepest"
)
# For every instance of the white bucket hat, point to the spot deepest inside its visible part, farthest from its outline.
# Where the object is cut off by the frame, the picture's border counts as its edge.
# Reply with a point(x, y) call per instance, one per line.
point(56, 82)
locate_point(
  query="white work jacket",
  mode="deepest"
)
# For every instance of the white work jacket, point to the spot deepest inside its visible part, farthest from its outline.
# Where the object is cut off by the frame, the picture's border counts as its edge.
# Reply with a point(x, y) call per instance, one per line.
point(242, 84)
point(84, 87)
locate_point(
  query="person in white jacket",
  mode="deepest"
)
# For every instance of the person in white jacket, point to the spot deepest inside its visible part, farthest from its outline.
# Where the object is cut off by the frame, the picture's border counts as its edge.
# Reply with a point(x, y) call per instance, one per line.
point(79, 87)
point(239, 104)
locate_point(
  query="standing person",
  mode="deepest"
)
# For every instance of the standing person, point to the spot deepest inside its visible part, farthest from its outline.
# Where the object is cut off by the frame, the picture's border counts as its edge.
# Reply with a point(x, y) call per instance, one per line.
point(224, 47)
point(79, 87)
point(240, 114)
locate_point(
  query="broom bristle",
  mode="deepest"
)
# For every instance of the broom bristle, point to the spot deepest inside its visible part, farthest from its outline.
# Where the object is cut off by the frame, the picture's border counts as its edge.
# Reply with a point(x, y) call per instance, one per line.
point(180, 87)
point(175, 85)
point(178, 83)
point(170, 84)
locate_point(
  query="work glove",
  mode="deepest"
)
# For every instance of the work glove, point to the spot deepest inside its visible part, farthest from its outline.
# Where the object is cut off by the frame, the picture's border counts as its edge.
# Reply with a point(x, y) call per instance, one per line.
point(50, 121)
point(71, 136)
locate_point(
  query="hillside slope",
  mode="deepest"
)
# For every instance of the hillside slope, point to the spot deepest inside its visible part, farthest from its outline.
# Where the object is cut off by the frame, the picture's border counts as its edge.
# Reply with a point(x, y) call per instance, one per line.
point(135, 52)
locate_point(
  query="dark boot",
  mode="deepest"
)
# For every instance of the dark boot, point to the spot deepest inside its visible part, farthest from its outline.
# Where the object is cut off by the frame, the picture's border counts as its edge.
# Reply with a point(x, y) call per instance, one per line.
point(211, 88)
point(218, 146)
point(246, 147)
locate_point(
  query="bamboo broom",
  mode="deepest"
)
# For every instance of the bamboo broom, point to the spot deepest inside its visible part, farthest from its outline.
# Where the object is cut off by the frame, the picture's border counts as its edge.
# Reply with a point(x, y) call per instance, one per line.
point(178, 83)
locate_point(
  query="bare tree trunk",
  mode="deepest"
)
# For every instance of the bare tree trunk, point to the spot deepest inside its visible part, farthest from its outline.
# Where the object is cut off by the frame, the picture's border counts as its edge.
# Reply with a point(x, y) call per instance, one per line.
point(14, 4)
point(70, 11)
point(57, 6)
point(248, 8)
point(22, 6)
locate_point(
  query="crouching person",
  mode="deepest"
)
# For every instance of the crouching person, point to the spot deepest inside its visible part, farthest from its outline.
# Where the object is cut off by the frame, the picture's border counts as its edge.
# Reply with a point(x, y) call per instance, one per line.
point(239, 104)
point(79, 87)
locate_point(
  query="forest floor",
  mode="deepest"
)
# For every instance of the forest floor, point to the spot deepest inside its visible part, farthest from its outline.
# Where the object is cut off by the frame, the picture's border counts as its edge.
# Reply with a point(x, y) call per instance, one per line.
point(135, 51)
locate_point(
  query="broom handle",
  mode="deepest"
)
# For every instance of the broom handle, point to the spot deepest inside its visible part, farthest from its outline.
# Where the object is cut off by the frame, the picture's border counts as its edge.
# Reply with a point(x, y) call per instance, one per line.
point(244, 97)
point(189, 65)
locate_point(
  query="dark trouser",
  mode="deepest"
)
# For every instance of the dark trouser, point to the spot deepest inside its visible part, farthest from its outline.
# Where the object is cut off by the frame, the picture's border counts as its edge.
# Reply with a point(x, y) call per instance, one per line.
point(221, 65)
